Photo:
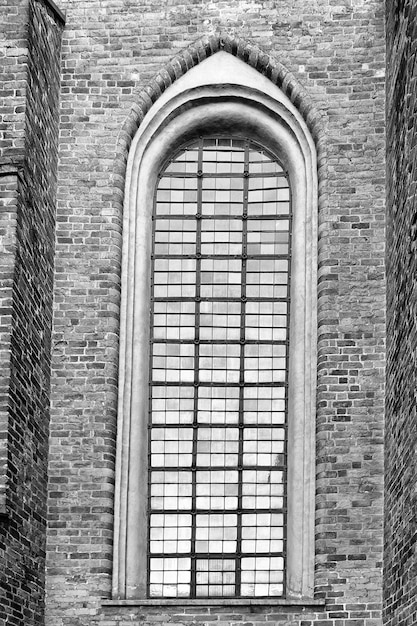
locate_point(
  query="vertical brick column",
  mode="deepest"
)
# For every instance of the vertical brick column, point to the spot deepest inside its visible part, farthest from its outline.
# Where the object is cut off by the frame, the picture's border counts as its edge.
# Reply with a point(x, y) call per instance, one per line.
point(400, 583)
point(13, 71)
point(30, 82)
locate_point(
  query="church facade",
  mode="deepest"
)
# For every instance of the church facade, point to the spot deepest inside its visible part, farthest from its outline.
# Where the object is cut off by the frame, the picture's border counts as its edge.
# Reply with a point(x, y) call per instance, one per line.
point(208, 317)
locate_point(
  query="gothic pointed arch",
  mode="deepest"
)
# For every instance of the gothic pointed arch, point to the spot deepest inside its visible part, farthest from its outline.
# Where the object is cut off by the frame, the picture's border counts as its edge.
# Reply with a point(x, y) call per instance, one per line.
point(203, 48)
point(222, 87)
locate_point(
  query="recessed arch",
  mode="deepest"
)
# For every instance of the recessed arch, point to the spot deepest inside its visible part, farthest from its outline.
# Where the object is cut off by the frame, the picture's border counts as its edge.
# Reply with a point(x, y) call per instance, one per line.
point(200, 50)
point(203, 99)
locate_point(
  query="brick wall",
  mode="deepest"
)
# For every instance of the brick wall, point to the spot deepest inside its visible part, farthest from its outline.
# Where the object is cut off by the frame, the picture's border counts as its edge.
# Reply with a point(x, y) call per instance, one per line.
point(111, 50)
point(13, 67)
point(12, 122)
point(400, 584)
point(30, 83)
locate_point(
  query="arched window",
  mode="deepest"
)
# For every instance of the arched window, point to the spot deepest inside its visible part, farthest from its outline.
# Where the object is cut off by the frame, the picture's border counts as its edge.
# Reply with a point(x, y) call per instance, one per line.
point(220, 301)
point(215, 459)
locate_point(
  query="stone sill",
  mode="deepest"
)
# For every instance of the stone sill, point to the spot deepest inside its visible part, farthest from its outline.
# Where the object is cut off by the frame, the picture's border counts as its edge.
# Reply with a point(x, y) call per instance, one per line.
point(230, 602)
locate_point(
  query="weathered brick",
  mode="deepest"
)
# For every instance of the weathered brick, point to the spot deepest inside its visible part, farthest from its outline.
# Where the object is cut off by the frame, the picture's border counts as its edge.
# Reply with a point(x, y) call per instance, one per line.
point(117, 59)
point(28, 158)
point(118, 56)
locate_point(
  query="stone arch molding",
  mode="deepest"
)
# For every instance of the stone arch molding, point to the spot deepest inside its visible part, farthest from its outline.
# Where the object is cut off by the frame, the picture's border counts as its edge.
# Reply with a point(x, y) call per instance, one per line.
point(201, 50)
point(221, 94)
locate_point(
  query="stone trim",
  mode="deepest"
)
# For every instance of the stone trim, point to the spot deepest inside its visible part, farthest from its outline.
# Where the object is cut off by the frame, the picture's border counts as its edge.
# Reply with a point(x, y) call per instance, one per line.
point(228, 602)
point(252, 107)
point(202, 49)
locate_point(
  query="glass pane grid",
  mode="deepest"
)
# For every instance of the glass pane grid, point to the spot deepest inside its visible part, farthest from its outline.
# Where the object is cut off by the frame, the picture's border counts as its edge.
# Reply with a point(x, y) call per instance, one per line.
point(219, 363)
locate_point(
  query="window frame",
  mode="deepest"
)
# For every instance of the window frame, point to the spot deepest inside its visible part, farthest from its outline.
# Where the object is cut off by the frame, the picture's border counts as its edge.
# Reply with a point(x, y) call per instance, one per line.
point(201, 177)
point(199, 103)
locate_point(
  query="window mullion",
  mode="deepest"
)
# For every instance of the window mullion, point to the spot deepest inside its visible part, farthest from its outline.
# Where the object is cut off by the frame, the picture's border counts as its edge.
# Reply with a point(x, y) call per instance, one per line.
point(242, 368)
point(196, 367)
point(150, 423)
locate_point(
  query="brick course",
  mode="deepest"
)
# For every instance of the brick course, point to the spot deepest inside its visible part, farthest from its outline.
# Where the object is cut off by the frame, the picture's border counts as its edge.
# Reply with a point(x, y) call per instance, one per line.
point(400, 584)
point(117, 57)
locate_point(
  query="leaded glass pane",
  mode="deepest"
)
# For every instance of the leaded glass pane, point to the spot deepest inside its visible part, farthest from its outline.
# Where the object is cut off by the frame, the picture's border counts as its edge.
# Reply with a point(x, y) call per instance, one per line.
point(219, 373)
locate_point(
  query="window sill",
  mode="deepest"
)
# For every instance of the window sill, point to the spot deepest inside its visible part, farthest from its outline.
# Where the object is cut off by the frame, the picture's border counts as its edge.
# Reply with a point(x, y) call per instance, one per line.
point(251, 602)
